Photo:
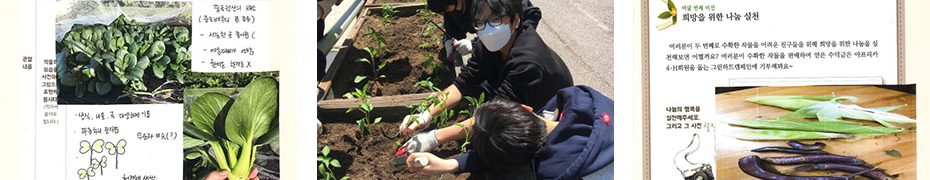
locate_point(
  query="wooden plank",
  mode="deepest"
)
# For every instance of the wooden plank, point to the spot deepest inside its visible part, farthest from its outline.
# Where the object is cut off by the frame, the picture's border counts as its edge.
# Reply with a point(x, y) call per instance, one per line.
point(732, 105)
point(325, 85)
point(377, 102)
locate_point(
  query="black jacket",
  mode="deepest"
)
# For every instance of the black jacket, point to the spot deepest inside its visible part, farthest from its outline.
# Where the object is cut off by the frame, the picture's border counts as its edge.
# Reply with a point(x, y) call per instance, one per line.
point(531, 74)
point(458, 27)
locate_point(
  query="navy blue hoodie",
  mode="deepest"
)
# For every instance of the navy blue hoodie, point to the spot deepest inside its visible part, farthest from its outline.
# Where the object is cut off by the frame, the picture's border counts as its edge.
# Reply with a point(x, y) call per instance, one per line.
point(581, 144)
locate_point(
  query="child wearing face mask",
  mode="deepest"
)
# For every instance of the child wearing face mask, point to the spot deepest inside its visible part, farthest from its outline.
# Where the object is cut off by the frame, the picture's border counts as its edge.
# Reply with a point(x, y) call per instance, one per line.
point(458, 20)
point(511, 62)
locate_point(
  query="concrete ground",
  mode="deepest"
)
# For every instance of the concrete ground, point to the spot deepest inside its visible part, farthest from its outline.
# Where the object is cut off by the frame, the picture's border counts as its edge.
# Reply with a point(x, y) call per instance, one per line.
point(580, 31)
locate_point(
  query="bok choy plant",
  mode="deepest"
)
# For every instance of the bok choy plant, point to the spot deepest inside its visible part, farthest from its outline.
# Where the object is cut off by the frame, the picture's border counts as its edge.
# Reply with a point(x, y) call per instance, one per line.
point(234, 128)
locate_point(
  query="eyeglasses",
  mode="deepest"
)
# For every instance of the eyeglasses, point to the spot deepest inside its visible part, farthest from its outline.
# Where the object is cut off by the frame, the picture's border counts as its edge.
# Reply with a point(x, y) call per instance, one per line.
point(493, 21)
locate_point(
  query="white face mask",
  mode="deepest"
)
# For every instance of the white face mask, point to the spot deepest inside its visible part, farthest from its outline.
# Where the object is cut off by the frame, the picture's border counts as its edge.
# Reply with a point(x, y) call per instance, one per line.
point(494, 38)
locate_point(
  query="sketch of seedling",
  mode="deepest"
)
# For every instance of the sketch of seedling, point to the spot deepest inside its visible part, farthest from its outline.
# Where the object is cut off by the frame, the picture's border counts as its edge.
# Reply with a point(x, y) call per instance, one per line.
point(116, 149)
point(99, 164)
point(86, 147)
point(86, 173)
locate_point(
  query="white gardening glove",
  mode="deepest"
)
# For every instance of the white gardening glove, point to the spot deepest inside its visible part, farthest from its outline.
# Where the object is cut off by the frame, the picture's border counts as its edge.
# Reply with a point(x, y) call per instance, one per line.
point(463, 46)
point(414, 122)
point(449, 48)
point(425, 141)
point(319, 127)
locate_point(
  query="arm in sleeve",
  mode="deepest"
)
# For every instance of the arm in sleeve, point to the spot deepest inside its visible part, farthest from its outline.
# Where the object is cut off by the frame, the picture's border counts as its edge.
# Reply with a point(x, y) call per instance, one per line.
point(470, 162)
point(470, 76)
point(454, 28)
point(521, 82)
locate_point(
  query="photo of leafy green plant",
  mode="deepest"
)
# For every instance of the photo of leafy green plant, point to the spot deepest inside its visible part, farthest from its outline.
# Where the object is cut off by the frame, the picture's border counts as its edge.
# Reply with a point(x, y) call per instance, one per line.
point(820, 125)
point(234, 130)
point(123, 52)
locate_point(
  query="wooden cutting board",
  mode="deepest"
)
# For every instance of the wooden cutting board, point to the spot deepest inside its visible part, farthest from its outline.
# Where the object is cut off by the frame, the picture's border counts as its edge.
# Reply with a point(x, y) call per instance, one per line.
point(732, 105)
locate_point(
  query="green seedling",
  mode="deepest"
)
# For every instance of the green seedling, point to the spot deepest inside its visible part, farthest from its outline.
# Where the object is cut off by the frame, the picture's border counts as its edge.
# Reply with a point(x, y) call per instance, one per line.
point(388, 11)
point(235, 128)
point(375, 53)
point(465, 144)
point(365, 123)
point(327, 164)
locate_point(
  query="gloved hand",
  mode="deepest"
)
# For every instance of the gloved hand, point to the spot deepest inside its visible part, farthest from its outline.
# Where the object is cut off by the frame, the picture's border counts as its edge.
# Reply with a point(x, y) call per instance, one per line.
point(425, 141)
point(319, 127)
point(463, 46)
point(414, 122)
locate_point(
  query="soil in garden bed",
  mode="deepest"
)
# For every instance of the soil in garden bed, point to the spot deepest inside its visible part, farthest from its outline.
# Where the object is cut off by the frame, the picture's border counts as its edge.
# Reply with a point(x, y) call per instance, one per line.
point(406, 62)
point(371, 156)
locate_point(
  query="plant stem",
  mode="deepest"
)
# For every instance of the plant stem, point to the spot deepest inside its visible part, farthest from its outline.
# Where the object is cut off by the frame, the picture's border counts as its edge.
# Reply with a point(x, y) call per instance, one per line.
point(243, 166)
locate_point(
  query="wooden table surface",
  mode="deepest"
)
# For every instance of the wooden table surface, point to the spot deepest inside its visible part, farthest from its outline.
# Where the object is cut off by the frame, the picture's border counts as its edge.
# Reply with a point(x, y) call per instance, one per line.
point(732, 105)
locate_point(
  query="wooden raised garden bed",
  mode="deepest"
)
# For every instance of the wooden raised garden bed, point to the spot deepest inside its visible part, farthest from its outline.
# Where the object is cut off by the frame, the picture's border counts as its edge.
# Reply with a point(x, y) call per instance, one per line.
point(407, 61)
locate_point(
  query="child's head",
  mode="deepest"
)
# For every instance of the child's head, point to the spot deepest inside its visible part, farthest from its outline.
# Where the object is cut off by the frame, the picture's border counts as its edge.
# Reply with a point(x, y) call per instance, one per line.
point(506, 135)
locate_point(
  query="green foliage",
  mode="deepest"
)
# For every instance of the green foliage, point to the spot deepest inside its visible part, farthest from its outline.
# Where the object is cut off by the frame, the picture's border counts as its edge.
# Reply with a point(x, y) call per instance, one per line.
point(235, 128)
point(388, 11)
point(364, 123)
point(439, 99)
point(375, 53)
point(474, 103)
point(327, 164)
point(100, 58)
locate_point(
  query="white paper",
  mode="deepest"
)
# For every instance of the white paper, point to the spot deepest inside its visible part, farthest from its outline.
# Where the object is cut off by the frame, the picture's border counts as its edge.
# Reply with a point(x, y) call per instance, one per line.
point(230, 36)
point(828, 21)
point(145, 141)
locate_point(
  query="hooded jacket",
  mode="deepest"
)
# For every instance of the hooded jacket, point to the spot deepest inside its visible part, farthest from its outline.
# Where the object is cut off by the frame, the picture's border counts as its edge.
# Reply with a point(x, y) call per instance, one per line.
point(580, 144)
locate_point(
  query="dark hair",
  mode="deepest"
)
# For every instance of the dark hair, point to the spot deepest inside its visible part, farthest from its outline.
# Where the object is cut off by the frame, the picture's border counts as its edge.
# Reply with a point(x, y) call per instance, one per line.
point(439, 6)
point(507, 136)
point(500, 8)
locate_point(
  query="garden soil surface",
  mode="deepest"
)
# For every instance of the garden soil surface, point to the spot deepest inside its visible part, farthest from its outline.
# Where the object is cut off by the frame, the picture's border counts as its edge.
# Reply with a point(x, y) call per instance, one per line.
point(371, 156)
point(407, 63)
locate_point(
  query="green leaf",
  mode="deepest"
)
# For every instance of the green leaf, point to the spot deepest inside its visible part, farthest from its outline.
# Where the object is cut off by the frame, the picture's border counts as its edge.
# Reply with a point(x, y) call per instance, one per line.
point(325, 151)
point(103, 87)
point(359, 78)
point(251, 115)
point(197, 133)
point(268, 138)
point(893, 153)
point(377, 120)
point(321, 168)
point(335, 163)
point(206, 108)
point(157, 48)
point(890, 108)
point(138, 70)
point(665, 15)
point(671, 5)
point(364, 60)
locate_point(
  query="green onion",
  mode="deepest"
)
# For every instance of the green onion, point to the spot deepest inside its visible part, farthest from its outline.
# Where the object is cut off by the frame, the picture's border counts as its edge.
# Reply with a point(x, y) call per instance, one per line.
point(819, 126)
point(766, 135)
